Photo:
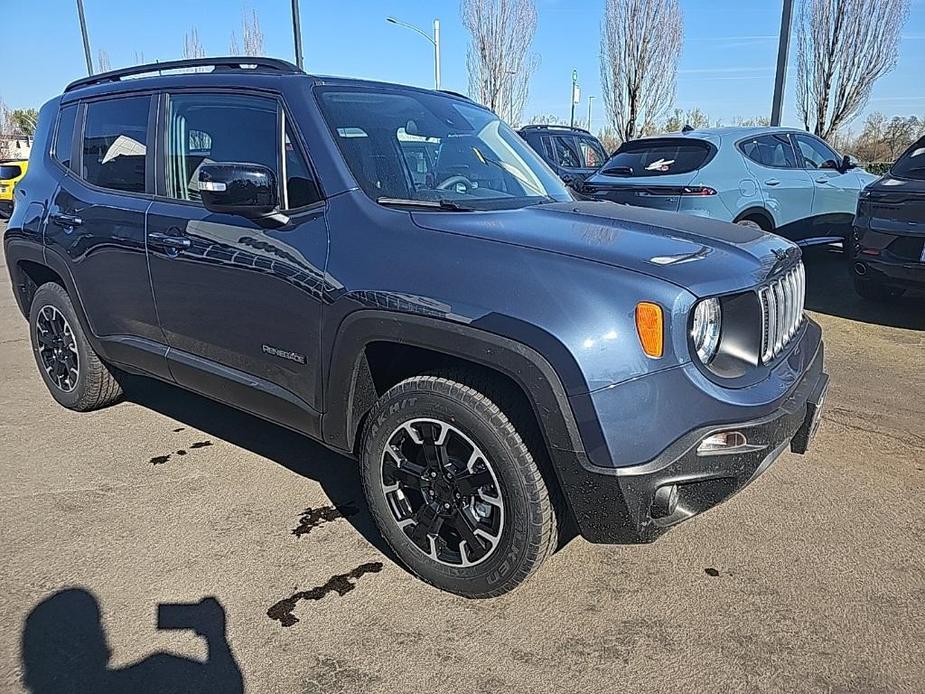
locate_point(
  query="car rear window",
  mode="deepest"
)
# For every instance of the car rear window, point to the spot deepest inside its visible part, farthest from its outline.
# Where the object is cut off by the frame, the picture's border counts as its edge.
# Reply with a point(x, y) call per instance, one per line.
point(663, 157)
point(9, 171)
point(912, 163)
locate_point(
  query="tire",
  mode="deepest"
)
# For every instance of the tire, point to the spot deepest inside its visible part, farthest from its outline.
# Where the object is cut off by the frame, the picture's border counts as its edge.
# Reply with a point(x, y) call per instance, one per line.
point(751, 224)
point(89, 384)
point(516, 536)
point(875, 291)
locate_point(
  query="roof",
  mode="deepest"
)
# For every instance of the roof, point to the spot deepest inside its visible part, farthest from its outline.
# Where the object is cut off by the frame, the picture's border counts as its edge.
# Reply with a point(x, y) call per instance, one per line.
point(732, 131)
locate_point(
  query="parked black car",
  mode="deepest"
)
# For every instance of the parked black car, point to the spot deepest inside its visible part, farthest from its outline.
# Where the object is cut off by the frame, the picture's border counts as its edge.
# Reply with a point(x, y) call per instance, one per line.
point(888, 243)
point(573, 153)
point(502, 359)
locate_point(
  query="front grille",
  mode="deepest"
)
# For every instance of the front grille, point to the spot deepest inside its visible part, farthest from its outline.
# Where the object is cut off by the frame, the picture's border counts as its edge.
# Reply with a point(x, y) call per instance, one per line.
point(781, 311)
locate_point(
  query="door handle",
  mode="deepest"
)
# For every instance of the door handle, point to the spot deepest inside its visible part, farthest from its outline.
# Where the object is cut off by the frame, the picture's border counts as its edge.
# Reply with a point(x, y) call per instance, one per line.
point(822, 180)
point(65, 220)
point(157, 238)
point(772, 182)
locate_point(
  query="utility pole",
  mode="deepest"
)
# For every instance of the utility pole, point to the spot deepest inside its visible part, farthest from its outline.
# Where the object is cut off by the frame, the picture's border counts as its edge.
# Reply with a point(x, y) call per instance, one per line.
point(83, 31)
point(437, 54)
point(297, 33)
point(783, 53)
point(590, 101)
point(575, 95)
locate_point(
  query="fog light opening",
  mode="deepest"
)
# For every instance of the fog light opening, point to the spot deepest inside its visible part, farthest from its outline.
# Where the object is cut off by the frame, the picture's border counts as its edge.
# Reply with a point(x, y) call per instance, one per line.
point(665, 501)
point(724, 441)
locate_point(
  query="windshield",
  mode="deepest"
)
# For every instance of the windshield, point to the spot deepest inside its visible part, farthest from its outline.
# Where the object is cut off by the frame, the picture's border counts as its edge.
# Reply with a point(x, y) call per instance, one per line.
point(912, 163)
point(416, 146)
point(8, 171)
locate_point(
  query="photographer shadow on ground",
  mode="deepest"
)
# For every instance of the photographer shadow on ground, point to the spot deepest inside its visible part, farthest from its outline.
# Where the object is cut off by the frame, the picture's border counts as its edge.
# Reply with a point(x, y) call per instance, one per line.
point(65, 649)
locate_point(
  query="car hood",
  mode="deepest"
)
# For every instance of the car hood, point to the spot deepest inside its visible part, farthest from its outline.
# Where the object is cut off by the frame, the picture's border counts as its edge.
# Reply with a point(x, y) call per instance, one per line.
point(704, 256)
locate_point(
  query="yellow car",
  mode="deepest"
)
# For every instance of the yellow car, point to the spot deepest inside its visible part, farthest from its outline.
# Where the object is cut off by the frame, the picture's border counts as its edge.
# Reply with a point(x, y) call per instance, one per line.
point(10, 173)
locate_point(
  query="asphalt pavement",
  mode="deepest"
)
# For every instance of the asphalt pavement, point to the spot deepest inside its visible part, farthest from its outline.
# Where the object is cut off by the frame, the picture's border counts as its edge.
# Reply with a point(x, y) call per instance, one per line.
point(810, 580)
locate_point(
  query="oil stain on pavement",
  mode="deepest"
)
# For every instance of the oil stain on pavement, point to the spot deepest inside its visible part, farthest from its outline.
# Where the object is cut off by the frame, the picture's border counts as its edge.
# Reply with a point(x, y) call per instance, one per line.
point(340, 584)
point(313, 517)
point(161, 459)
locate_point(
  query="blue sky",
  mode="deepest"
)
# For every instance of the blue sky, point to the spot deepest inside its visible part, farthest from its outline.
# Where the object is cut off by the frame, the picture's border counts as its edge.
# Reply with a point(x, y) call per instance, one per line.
point(727, 66)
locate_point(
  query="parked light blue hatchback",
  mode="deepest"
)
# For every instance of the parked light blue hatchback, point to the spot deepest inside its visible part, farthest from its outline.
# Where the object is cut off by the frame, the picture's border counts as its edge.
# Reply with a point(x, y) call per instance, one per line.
point(782, 180)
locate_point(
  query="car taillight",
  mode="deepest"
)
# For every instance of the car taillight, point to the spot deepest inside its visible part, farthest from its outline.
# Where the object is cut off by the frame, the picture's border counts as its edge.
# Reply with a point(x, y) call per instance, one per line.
point(697, 190)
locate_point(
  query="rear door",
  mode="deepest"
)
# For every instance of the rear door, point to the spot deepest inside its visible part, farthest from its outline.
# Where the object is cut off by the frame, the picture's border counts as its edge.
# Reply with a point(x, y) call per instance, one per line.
point(786, 188)
point(239, 300)
point(96, 221)
point(836, 192)
point(651, 172)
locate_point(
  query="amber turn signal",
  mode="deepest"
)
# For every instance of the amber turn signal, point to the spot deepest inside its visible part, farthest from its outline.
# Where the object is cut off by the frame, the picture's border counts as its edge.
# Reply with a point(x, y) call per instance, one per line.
point(650, 328)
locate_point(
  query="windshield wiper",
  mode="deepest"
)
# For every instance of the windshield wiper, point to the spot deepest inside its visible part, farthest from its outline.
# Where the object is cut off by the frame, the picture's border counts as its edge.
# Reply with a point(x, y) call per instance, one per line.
point(618, 171)
point(431, 204)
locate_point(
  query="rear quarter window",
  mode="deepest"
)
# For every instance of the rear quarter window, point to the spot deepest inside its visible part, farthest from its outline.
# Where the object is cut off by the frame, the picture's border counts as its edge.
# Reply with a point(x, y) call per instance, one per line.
point(665, 157)
point(912, 163)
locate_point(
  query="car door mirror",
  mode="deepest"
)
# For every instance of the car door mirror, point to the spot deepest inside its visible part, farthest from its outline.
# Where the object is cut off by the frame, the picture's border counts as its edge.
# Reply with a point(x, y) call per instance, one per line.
point(849, 162)
point(249, 190)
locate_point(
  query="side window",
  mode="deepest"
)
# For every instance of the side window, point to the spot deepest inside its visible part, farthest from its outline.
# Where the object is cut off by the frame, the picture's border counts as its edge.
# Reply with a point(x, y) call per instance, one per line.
point(566, 154)
point(301, 188)
point(773, 151)
point(65, 135)
point(209, 128)
point(115, 143)
point(591, 152)
point(814, 153)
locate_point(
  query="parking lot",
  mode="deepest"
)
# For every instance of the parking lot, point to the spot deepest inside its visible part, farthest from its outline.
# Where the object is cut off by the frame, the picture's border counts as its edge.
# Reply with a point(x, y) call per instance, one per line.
point(812, 579)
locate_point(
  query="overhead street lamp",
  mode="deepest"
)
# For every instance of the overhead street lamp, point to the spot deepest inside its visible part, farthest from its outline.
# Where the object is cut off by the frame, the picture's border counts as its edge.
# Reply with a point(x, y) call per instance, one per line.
point(435, 40)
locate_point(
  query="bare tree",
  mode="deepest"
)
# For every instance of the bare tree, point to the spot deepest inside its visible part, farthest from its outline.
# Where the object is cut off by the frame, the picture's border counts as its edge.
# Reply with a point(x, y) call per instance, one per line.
point(844, 47)
point(640, 48)
point(499, 62)
point(234, 47)
point(253, 37)
point(103, 61)
point(192, 48)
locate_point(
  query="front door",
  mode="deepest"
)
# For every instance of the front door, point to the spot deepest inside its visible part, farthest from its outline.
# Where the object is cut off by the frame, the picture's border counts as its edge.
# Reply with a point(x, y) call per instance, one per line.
point(836, 191)
point(239, 300)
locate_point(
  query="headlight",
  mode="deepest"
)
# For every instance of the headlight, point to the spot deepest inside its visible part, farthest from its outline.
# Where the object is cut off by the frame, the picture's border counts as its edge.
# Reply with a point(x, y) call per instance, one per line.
point(708, 319)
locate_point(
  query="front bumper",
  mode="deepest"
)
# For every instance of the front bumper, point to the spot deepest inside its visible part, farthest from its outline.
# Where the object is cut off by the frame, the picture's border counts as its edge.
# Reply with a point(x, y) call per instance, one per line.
point(640, 502)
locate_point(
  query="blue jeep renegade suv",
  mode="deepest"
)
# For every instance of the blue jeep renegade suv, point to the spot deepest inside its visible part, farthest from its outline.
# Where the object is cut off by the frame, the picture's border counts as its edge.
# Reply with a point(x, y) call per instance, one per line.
point(503, 360)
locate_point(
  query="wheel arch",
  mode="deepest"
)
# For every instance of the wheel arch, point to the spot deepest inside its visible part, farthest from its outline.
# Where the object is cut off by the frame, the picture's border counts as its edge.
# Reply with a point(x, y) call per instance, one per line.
point(352, 386)
point(758, 214)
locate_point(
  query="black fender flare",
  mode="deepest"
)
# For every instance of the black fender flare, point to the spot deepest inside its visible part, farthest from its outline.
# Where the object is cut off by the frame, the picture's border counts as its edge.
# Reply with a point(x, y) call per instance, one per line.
point(525, 366)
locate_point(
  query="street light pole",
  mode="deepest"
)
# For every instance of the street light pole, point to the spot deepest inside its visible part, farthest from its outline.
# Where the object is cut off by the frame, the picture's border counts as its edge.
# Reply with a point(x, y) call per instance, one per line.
point(590, 101)
point(83, 31)
point(783, 52)
point(435, 40)
point(297, 33)
point(574, 100)
point(437, 54)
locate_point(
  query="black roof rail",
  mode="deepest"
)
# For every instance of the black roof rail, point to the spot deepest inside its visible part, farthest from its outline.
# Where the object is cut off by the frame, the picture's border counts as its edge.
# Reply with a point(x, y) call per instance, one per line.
point(225, 63)
point(553, 126)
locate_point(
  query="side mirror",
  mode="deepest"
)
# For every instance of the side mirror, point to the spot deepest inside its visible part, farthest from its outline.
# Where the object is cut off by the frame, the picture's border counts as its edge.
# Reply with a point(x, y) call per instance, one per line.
point(849, 162)
point(249, 190)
